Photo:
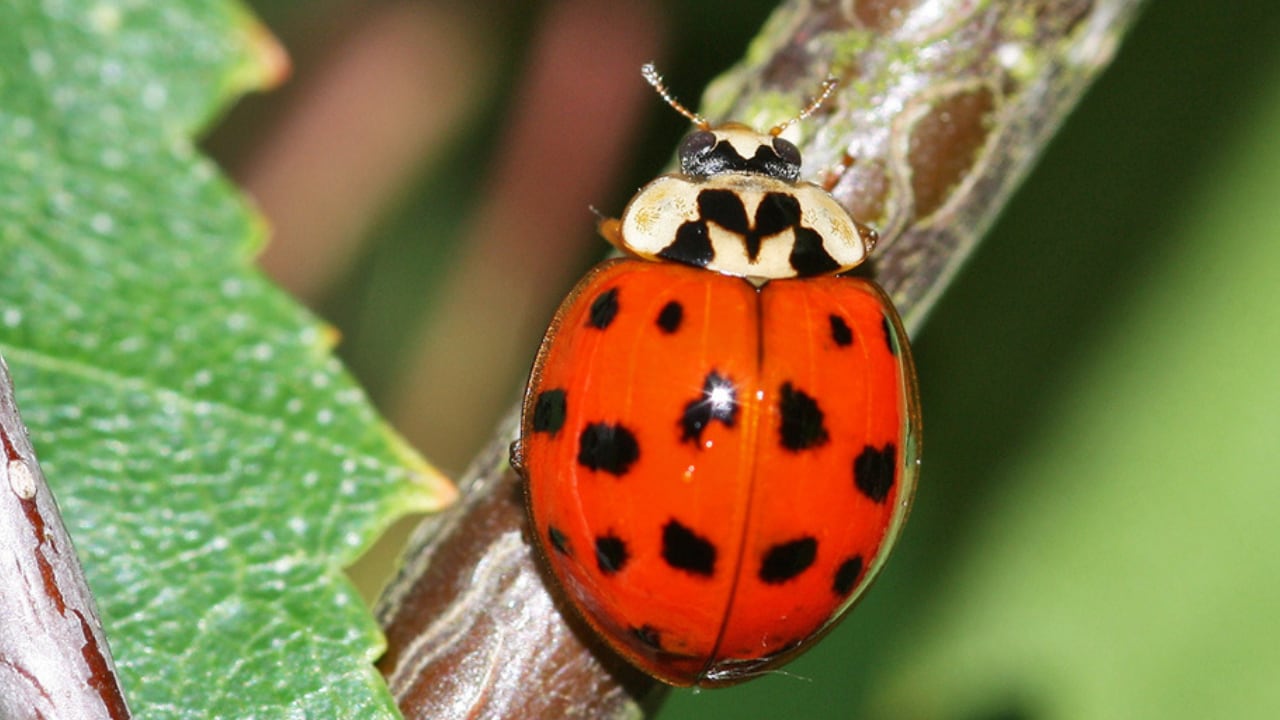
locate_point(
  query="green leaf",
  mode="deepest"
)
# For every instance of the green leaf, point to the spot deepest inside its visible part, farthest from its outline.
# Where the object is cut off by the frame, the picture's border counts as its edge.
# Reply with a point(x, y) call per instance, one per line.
point(216, 466)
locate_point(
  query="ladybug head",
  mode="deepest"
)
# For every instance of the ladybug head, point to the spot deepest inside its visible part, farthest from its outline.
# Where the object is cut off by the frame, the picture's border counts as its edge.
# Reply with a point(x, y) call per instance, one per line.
point(739, 206)
point(734, 148)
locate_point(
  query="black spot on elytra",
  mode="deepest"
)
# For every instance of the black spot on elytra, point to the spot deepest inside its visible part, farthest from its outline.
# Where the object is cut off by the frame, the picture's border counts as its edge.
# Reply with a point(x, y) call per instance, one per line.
point(611, 554)
point(847, 576)
point(549, 411)
point(683, 549)
point(603, 309)
point(840, 332)
point(874, 470)
point(890, 338)
point(692, 245)
point(607, 448)
point(717, 401)
point(802, 426)
point(809, 254)
point(786, 560)
point(559, 540)
point(670, 317)
point(648, 635)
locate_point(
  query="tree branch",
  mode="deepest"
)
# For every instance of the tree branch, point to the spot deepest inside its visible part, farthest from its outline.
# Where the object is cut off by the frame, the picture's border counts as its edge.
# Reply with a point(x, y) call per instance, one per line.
point(54, 659)
point(941, 109)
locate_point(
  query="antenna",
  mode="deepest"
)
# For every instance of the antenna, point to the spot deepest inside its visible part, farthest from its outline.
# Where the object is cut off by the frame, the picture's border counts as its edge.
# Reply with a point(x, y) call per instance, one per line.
point(828, 87)
point(651, 76)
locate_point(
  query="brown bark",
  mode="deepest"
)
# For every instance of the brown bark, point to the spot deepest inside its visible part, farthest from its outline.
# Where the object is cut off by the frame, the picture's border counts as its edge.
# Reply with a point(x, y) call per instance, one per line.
point(54, 659)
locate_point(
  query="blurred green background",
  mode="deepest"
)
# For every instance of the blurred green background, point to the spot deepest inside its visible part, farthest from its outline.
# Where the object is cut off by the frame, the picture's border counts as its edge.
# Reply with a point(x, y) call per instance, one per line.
point(1097, 532)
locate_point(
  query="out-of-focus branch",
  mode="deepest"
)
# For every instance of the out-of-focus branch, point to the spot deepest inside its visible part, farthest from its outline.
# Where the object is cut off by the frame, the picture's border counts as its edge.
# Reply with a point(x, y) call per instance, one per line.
point(941, 109)
point(54, 659)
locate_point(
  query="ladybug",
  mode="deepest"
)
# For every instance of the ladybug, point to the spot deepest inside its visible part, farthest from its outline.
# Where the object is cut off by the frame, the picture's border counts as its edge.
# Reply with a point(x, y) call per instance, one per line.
point(720, 434)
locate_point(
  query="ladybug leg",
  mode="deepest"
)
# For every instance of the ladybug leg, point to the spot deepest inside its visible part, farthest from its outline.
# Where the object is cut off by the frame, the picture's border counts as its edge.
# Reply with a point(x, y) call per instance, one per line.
point(868, 234)
point(832, 175)
point(611, 230)
point(516, 457)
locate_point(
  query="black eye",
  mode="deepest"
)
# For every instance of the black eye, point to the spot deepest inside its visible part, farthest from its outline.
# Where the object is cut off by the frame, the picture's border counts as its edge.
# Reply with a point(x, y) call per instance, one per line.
point(695, 145)
point(787, 152)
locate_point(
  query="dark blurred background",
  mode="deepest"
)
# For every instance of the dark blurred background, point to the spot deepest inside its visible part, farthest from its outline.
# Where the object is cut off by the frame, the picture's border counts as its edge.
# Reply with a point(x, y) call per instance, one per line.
point(1096, 530)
